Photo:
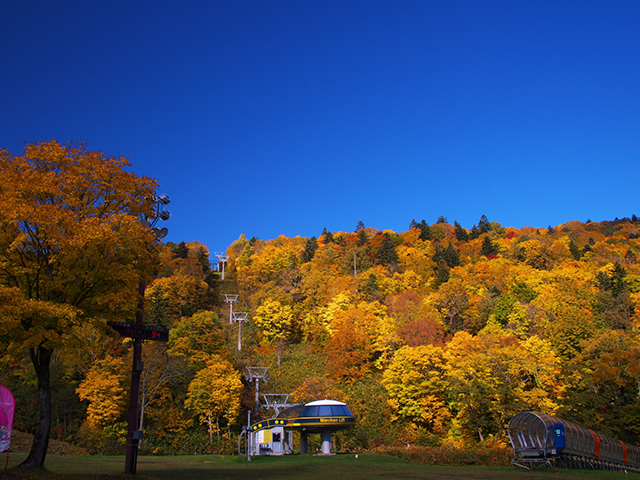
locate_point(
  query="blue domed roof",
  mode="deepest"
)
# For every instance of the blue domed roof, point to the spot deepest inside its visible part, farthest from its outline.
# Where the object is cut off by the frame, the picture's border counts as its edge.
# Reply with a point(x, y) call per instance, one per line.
point(326, 408)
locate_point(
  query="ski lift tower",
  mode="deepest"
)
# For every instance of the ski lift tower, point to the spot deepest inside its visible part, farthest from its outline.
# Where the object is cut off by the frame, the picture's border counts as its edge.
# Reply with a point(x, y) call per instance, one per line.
point(277, 401)
point(222, 259)
point(230, 299)
point(256, 374)
point(240, 317)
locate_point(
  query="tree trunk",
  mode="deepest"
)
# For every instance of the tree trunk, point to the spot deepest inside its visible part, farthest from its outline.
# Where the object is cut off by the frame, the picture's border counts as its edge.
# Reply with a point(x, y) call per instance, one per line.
point(41, 359)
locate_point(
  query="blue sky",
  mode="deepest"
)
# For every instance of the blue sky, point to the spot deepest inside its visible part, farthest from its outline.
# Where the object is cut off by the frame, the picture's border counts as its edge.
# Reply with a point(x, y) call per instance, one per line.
point(283, 117)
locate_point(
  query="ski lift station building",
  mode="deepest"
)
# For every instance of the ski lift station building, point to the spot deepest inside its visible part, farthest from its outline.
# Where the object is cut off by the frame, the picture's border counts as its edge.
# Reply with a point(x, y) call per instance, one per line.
point(275, 435)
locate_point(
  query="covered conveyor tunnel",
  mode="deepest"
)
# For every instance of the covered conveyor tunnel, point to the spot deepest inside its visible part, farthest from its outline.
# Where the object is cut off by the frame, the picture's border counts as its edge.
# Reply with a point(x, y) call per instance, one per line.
point(538, 438)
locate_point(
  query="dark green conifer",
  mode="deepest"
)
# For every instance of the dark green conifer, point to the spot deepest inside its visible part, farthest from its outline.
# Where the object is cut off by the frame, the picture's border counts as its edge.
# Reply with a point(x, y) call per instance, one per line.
point(327, 235)
point(451, 256)
point(181, 251)
point(425, 231)
point(362, 238)
point(387, 253)
point(461, 234)
point(203, 259)
point(309, 249)
point(483, 225)
point(489, 247)
point(442, 274)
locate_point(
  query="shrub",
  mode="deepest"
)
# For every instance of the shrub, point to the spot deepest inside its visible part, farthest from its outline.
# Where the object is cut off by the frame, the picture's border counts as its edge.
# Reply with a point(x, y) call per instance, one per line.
point(447, 456)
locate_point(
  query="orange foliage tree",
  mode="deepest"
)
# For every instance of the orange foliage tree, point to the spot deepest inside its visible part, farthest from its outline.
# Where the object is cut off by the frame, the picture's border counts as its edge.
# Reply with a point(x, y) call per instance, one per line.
point(71, 248)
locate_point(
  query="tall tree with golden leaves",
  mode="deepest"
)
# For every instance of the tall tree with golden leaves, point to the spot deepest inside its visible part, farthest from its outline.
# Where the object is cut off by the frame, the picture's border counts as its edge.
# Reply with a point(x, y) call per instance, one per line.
point(72, 251)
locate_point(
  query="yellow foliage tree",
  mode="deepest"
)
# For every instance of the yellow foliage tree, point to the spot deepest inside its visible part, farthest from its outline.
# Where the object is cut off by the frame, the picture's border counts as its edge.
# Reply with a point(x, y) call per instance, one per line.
point(169, 298)
point(215, 392)
point(417, 387)
point(104, 388)
point(197, 339)
point(493, 376)
point(275, 321)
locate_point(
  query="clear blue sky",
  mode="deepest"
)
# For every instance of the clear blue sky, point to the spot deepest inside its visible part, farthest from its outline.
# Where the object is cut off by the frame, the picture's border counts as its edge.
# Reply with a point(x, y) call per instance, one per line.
point(284, 117)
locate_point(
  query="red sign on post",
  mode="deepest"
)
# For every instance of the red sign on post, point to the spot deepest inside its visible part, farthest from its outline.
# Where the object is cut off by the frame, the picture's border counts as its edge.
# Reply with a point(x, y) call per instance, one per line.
point(143, 333)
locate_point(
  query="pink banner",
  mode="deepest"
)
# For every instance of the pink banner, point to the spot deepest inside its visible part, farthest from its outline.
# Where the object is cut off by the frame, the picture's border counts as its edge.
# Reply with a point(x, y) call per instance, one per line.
point(7, 407)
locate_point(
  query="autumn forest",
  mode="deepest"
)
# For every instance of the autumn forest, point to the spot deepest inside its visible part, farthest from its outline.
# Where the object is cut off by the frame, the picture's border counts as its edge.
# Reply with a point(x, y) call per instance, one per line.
point(436, 335)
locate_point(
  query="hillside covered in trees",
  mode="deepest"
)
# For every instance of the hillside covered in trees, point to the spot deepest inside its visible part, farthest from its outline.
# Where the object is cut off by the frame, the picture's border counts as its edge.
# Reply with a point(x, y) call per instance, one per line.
point(436, 335)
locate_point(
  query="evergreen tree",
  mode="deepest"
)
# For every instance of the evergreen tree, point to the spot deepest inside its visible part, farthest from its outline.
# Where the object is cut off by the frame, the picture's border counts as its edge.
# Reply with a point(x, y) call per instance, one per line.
point(489, 247)
point(387, 252)
point(461, 234)
point(202, 257)
point(451, 256)
point(309, 249)
point(413, 224)
point(442, 274)
point(181, 251)
point(441, 219)
point(327, 235)
point(360, 226)
point(613, 303)
point(483, 225)
point(425, 231)
point(613, 282)
point(362, 238)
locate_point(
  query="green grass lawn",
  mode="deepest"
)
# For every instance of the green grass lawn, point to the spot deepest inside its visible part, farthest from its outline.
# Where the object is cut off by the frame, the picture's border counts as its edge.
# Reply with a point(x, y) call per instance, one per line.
point(346, 466)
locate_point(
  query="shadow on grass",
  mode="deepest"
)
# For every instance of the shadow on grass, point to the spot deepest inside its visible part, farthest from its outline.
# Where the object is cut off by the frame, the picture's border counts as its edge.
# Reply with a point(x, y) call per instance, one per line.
point(366, 466)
